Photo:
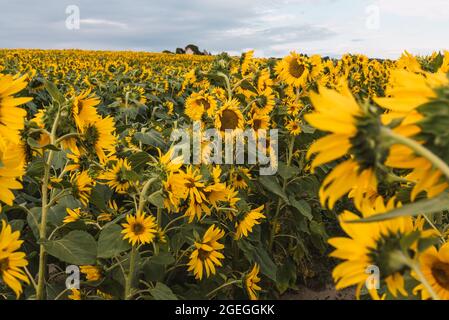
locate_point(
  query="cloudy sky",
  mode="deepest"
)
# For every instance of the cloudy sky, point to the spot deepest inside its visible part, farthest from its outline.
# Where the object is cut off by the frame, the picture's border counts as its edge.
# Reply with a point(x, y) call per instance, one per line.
point(378, 28)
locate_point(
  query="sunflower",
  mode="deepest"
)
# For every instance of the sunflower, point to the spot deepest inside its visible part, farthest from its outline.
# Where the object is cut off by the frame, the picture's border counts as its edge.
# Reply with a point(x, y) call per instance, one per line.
point(198, 103)
point(98, 136)
point(73, 215)
point(259, 121)
point(118, 176)
point(229, 117)
point(371, 244)
point(264, 103)
point(250, 219)
point(239, 178)
point(93, 273)
point(196, 197)
point(293, 70)
point(75, 295)
point(251, 282)
point(83, 108)
point(353, 133)
point(169, 162)
point(82, 185)
point(293, 127)
point(407, 91)
point(140, 229)
point(434, 265)
point(206, 255)
point(134, 94)
point(12, 117)
point(12, 261)
point(175, 190)
point(12, 159)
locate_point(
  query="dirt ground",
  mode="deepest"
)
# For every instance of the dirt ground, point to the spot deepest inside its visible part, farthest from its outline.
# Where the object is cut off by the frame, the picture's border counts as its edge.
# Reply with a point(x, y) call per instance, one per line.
point(326, 293)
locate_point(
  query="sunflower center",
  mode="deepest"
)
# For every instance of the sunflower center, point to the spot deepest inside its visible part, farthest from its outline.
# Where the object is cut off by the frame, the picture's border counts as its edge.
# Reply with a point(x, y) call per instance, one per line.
point(138, 228)
point(190, 183)
point(440, 272)
point(229, 120)
point(257, 124)
point(239, 178)
point(203, 254)
point(4, 265)
point(296, 69)
point(204, 103)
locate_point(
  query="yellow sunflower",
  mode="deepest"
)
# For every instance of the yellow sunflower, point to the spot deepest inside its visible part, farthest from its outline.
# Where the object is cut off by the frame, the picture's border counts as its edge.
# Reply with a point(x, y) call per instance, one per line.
point(239, 178)
point(83, 108)
point(293, 127)
point(93, 273)
point(196, 198)
point(98, 136)
point(134, 93)
point(229, 117)
point(11, 116)
point(341, 115)
point(140, 229)
point(371, 244)
point(259, 121)
point(434, 265)
point(206, 255)
point(82, 185)
point(251, 282)
point(73, 215)
point(117, 176)
point(12, 158)
point(198, 103)
point(249, 220)
point(12, 261)
point(293, 69)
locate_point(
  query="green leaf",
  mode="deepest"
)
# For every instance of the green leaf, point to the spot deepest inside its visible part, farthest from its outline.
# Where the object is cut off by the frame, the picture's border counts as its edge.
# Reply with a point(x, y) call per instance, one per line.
point(287, 172)
point(77, 247)
point(100, 196)
point(157, 199)
point(138, 160)
point(302, 206)
point(286, 276)
point(54, 92)
point(427, 206)
point(111, 243)
point(163, 258)
point(162, 292)
point(271, 184)
point(152, 138)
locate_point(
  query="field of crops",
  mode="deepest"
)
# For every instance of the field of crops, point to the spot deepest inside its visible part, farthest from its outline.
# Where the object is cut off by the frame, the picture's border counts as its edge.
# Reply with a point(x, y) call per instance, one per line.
point(97, 204)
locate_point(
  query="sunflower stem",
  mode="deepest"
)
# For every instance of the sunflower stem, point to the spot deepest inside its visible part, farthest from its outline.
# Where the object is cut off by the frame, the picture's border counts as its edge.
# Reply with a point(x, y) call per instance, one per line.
point(223, 286)
point(228, 84)
point(132, 268)
point(418, 148)
point(143, 194)
point(415, 267)
point(43, 225)
point(284, 187)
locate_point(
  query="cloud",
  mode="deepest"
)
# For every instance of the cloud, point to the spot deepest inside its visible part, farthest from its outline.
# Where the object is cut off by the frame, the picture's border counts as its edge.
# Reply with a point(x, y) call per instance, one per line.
point(101, 22)
point(271, 27)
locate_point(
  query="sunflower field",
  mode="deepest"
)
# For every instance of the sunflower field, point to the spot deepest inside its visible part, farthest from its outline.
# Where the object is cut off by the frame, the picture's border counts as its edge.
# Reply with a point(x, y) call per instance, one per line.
point(95, 203)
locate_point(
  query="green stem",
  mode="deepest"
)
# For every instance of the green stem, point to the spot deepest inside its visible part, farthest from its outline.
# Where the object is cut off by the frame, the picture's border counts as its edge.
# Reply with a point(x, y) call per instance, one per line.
point(223, 286)
point(132, 268)
point(143, 194)
point(418, 148)
point(43, 225)
point(284, 187)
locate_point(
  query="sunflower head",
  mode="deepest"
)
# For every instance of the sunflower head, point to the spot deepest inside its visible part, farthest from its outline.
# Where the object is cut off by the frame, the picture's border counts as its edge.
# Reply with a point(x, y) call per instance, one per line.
point(139, 228)
point(229, 117)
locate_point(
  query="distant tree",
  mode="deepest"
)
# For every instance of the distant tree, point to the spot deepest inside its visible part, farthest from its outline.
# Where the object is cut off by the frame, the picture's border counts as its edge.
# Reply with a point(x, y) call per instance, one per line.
point(194, 49)
point(180, 51)
point(167, 51)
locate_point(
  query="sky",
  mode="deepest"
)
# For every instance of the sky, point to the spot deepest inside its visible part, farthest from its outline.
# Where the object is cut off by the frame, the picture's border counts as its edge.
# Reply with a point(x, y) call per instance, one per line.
point(377, 28)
